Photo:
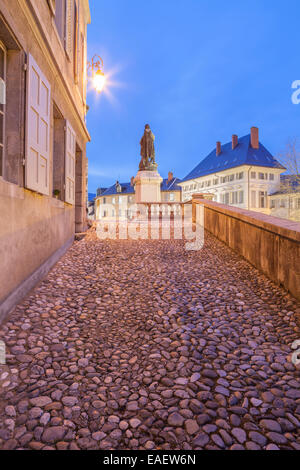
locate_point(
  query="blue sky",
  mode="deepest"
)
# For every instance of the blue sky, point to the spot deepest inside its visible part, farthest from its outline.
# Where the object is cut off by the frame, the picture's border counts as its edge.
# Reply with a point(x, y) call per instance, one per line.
point(197, 71)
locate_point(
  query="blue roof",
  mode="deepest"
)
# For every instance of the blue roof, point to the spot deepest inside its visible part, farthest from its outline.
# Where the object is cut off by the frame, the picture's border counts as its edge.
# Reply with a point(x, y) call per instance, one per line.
point(243, 154)
point(126, 189)
point(172, 185)
point(91, 196)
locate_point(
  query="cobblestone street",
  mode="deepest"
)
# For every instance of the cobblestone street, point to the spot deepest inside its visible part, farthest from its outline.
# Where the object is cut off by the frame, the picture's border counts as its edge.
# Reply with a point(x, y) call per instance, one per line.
point(143, 345)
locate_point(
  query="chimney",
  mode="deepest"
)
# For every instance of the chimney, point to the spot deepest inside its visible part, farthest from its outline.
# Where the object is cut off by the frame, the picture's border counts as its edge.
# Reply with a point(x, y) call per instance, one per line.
point(254, 138)
point(132, 181)
point(218, 148)
point(170, 176)
point(234, 141)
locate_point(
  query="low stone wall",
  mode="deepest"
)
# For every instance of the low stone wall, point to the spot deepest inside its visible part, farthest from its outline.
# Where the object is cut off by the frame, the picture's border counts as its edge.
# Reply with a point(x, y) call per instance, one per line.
point(270, 244)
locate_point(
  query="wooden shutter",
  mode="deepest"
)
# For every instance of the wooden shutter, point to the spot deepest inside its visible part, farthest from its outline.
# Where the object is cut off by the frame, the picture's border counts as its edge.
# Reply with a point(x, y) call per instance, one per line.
point(37, 168)
point(70, 158)
point(69, 27)
point(76, 44)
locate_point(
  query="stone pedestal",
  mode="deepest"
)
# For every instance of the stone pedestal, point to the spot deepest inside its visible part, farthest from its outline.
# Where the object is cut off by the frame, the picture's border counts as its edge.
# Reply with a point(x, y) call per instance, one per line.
point(147, 186)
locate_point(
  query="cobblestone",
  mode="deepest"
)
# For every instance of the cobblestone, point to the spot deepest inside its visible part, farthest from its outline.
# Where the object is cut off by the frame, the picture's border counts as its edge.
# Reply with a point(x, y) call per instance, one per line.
point(144, 345)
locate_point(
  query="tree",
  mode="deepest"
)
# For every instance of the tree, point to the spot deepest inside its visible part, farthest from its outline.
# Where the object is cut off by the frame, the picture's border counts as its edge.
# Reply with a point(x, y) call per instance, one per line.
point(290, 159)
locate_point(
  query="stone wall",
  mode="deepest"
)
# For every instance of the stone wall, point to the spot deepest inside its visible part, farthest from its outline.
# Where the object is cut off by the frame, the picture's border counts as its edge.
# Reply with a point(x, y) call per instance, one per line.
point(33, 227)
point(270, 244)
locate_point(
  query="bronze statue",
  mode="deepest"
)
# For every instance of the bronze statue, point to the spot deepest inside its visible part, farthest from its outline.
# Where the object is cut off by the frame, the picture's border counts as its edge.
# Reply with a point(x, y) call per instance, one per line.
point(147, 150)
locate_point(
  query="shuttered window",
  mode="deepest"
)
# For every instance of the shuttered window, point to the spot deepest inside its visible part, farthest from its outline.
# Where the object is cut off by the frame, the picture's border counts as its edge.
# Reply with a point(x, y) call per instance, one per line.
point(37, 129)
point(76, 43)
point(70, 159)
point(60, 19)
point(69, 27)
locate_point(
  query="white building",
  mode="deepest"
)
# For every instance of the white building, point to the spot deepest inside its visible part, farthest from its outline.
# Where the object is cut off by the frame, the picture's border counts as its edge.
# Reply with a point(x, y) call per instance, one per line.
point(285, 203)
point(241, 173)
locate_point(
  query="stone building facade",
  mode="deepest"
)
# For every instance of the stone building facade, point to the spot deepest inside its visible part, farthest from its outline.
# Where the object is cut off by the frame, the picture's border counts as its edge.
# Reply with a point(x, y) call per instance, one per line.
point(43, 137)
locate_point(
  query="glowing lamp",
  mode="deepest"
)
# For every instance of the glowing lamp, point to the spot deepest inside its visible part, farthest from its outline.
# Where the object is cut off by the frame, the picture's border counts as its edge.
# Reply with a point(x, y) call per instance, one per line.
point(99, 81)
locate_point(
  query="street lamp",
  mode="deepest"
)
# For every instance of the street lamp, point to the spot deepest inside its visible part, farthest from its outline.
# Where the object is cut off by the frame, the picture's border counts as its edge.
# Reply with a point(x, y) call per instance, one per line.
point(96, 66)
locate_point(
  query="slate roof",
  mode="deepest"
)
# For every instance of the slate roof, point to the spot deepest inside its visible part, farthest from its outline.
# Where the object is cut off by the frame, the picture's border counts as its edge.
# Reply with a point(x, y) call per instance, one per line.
point(243, 154)
point(91, 196)
point(170, 186)
point(128, 189)
point(100, 191)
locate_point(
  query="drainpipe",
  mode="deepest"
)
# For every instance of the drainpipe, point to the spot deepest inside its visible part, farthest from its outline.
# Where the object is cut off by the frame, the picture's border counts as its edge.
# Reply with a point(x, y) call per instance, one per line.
point(248, 204)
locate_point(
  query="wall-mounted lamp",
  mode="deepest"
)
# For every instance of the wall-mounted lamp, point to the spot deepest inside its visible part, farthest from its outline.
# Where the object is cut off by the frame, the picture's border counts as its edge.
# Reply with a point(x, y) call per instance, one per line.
point(96, 67)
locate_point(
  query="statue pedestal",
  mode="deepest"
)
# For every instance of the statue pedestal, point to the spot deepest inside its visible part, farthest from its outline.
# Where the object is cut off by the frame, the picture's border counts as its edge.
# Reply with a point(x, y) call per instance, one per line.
point(147, 186)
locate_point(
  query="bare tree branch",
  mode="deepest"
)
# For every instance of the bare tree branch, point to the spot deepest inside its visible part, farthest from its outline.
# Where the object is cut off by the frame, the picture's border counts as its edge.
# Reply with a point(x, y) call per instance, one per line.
point(290, 159)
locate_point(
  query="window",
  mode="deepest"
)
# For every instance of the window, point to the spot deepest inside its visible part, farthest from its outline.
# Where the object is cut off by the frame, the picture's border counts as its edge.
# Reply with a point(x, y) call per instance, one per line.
point(263, 176)
point(76, 40)
point(104, 213)
point(241, 197)
point(253, 199)
point(240, 176)
point(2, 105)
point(104, 200)
point(70, 164)
point(113, 200)
point(82, 66)
point(120, 200)
point(272, 204)
point(171, 197)
point(60, 19)
point(298, 204)
point(37, 169)
point(234, 197)
point(271, 177)
point(226, 198)
point(59, 124)
point(129, 198)
point(216, 181)
point(253, 175)
point(262, 199)
point(282, 203)
point(231, 178)
point(66, 23)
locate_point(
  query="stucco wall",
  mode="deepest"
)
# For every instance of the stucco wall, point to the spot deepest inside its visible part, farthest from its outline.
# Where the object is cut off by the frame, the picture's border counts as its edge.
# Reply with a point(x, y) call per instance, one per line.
point(270, 244)
point(32, 228)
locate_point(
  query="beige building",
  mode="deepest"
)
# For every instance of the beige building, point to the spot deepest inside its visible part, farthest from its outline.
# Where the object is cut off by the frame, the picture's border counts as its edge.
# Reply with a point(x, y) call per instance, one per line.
point(285, 203)
point(116, 200)
point(43, 137)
